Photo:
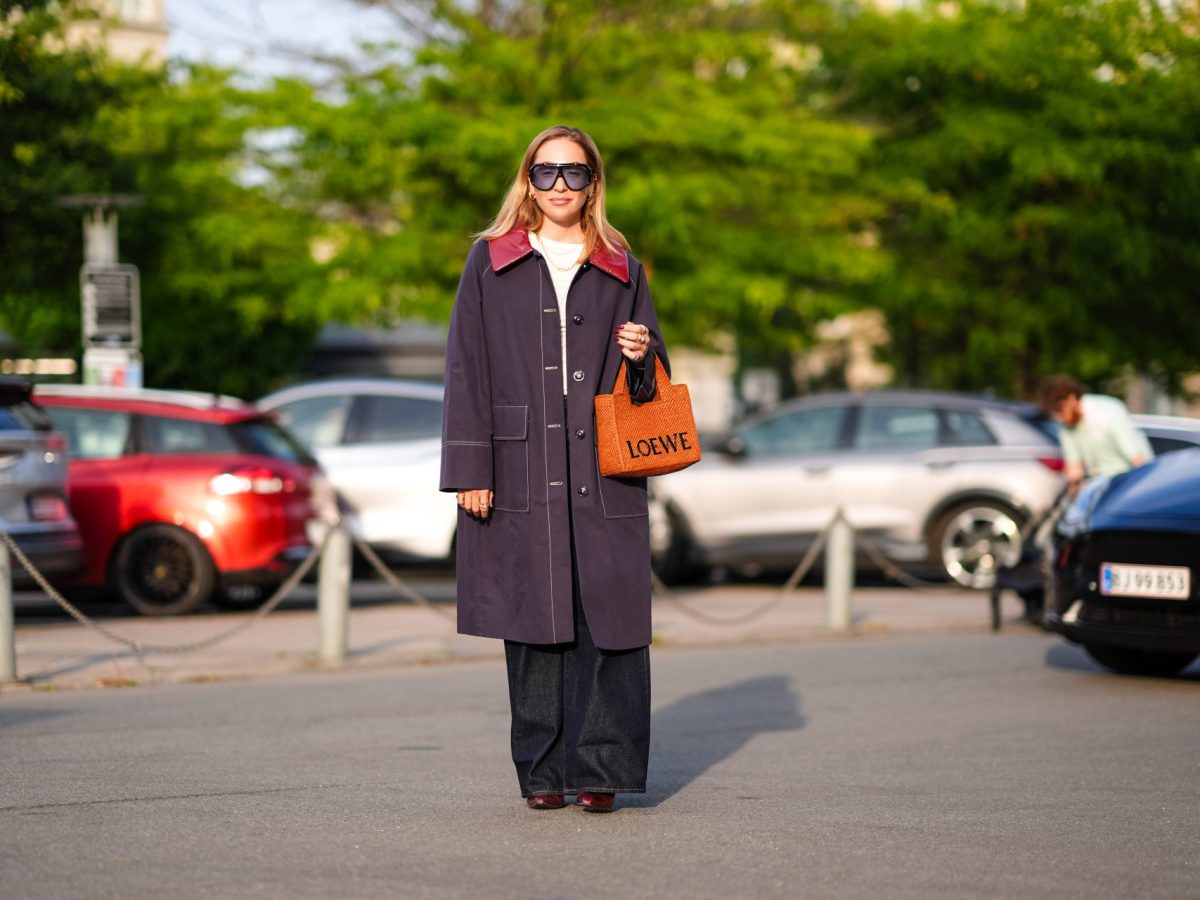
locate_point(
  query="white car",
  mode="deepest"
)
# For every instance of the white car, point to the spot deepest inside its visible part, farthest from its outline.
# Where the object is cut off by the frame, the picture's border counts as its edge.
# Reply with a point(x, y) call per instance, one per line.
point(379, 442)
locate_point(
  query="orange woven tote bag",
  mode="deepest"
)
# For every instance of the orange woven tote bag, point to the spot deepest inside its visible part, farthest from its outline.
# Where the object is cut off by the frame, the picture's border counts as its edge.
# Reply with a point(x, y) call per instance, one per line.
point(651, 438)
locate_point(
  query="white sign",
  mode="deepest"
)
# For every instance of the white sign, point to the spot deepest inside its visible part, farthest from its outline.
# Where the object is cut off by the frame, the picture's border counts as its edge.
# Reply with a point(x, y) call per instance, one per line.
point(111, 305)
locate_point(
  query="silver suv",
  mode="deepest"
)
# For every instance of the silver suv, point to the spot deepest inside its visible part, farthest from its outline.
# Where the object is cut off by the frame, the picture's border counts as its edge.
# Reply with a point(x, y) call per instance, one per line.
point(33, 493)
point(930, 478)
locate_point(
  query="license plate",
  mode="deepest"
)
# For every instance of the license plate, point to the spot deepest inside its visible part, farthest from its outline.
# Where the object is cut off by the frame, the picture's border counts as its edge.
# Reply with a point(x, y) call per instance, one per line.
point(1159, 582)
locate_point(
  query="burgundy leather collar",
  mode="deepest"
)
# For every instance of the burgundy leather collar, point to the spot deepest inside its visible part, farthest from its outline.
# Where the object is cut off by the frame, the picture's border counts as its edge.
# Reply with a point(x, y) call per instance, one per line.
point(515, 246)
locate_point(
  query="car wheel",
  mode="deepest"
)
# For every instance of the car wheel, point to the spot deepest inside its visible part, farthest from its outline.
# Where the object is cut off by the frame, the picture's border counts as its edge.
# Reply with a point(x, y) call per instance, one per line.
point(973, 540)
point(1129, 661)
point(673, 553)
point(162, 570)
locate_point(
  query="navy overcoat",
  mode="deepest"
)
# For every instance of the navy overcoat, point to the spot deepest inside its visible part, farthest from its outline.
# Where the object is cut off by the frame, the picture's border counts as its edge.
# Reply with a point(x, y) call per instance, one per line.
point(504, 429)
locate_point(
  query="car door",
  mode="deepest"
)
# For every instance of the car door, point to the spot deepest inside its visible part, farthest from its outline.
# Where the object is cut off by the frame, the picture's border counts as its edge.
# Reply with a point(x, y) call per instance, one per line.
point(106, 467)
point(893, 470)
point(765, 503)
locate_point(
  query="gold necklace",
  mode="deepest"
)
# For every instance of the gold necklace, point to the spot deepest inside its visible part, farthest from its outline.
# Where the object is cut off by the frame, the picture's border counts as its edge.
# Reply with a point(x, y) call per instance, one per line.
point(549, 256)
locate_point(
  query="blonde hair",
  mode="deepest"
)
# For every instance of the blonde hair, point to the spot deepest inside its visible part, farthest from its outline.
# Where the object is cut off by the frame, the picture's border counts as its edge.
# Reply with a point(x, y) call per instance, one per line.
point(519, 207)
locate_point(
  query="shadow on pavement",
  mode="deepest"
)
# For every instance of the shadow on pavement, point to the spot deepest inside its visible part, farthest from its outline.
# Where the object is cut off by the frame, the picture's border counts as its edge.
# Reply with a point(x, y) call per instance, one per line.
point(692, 735)
point(11, 717)
point(1074, 658)
point(1068, 656)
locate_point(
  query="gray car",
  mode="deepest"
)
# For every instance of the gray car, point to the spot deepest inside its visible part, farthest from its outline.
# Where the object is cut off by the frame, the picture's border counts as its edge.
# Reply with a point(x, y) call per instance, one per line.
point(33, 491)
point(930, 478)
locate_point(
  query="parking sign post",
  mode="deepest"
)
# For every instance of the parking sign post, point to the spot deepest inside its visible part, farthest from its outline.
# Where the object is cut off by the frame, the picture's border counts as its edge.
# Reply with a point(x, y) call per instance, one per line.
point(839, 573)
point(333, 598)
point(8, 640)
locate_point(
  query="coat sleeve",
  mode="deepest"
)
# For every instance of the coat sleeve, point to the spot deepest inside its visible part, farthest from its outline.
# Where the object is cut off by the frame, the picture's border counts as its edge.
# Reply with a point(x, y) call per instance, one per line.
point(467, 411)
point(642, 377)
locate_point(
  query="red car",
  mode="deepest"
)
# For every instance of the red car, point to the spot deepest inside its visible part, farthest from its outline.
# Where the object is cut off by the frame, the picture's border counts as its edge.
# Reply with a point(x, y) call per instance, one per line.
point(183, 497)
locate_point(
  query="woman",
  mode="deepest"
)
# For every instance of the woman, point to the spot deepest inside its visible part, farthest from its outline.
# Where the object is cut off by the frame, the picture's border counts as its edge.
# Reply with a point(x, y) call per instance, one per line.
point(552, 557)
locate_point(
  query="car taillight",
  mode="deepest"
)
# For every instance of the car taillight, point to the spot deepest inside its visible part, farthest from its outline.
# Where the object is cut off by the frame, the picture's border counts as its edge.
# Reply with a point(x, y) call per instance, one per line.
point(250, 481)
point(1053, 463)
point(1064, 555)
point(47, 508)
point(56, 443)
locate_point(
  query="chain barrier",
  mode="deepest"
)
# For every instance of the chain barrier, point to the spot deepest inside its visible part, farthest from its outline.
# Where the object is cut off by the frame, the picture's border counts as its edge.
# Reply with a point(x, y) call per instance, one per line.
point(138, 647)
point(889, 568)
point(794, 579)
point(396, 581)
point(896, 573)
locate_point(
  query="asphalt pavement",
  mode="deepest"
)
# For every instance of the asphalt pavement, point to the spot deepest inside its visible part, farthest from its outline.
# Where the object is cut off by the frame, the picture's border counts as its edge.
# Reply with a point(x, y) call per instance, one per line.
point(887, 765)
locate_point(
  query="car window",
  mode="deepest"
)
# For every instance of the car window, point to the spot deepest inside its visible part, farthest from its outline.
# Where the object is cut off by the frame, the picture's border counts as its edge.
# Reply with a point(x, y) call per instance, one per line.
point(93, 433)
point(1162, 445)
point(811, 430)
point(263, 437)
point(316, 421)
point(23, 416)
point(965, 429)
point(897, 428)
point(400, 419)
point(163, 434)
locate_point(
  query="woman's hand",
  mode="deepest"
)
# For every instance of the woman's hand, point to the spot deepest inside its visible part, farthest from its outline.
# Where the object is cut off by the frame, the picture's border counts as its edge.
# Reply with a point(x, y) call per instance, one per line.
point(477, 502)
point(634, 340)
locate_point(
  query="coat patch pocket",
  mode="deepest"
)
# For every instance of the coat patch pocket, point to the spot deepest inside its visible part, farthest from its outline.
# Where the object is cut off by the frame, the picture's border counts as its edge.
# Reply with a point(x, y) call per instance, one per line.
point(510, 458)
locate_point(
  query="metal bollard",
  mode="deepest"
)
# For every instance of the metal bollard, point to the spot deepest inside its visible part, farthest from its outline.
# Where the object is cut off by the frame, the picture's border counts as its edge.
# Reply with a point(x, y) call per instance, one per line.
point(839, 573)
point(333, 598)
point(8, 639)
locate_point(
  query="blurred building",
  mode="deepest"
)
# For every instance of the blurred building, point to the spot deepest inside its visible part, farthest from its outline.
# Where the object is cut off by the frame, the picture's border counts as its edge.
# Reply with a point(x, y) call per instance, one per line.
point(131, 30)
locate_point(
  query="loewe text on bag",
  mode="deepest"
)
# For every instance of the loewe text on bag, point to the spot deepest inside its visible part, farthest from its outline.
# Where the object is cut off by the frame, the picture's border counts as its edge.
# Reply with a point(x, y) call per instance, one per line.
point(651, 438)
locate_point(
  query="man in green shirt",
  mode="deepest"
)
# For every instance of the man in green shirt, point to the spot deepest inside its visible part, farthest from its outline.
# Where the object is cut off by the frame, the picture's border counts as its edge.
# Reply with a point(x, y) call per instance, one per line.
point(1097, 436)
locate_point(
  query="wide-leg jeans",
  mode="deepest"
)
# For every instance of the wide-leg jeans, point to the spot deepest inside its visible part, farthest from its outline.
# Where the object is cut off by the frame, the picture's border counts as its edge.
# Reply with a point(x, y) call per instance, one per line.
point(580, 715)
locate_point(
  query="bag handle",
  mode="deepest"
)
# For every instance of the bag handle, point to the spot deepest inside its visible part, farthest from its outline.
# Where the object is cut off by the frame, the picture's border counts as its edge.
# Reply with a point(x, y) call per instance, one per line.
point(621, 388)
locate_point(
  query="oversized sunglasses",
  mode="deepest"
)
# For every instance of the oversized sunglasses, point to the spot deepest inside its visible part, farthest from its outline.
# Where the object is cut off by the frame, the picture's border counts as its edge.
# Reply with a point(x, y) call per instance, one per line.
point(544, 176)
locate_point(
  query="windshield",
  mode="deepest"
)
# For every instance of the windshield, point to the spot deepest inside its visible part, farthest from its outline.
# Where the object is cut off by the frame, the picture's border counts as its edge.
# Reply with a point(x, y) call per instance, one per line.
point(265, 437)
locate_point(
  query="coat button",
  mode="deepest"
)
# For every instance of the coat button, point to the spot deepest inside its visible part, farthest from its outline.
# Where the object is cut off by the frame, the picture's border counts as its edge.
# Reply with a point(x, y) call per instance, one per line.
point(578, 320)
point(577, 374)
point(580, 433)
point(583, 491)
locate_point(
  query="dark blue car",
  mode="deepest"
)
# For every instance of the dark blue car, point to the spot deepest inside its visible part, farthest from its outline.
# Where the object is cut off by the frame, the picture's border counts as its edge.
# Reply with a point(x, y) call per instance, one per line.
point(1126, 570)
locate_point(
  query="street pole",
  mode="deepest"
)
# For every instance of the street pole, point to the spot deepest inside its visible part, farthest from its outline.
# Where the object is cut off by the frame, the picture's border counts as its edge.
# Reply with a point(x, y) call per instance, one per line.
point(110, 295)
point(333, 598)
point(8, 640)
point(839, 572)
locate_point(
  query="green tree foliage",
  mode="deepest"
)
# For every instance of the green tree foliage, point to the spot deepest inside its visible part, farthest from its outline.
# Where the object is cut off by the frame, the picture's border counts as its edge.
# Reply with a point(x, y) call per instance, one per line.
point(220, 258)
point(49, 99)
point(741, 200)
point(1014, 184)
point(1040, 159)
point(224, 259)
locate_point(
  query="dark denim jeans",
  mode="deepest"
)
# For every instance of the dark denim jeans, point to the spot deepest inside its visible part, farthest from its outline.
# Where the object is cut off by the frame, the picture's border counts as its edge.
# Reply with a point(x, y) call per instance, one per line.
point(580, 715)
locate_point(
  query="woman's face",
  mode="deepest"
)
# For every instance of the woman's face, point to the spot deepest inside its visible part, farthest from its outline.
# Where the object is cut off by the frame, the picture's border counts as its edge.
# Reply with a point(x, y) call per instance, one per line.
point(559, 203)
